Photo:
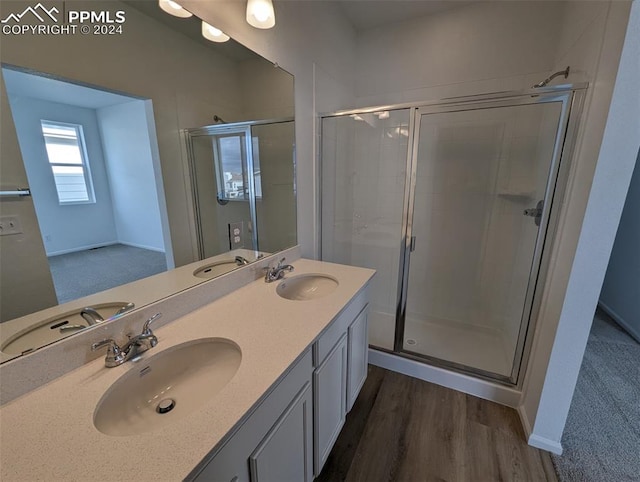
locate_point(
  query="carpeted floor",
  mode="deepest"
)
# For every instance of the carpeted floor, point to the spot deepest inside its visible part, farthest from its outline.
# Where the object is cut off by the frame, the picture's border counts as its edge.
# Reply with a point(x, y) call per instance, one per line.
point(87, 272)
point(602, 437)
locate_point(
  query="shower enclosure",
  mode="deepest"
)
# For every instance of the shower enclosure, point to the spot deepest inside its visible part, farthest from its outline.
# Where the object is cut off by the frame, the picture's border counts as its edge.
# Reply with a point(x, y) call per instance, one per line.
point(243, 185)
point(454, 204)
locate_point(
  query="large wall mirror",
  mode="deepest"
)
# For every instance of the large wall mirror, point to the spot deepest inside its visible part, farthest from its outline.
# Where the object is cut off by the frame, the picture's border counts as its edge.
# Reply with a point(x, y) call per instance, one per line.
point(155, 159)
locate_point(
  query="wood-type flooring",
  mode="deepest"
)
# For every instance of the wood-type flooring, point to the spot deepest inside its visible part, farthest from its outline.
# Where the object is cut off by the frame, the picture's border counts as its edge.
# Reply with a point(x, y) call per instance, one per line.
point(407, 430)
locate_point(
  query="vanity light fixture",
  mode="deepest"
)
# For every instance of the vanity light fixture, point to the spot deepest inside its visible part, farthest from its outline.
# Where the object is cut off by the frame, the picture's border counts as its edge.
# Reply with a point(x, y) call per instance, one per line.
point(173, 8)
point(260, 14)
point(214, 34)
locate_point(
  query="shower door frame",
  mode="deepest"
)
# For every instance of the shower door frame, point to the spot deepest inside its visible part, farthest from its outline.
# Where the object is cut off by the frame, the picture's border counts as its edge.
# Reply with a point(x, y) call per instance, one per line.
point(221, 129)
point(572, 98)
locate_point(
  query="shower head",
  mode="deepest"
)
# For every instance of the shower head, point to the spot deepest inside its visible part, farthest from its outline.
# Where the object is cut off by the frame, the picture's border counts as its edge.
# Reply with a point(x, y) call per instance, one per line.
point(564, 72)
point(219, 120)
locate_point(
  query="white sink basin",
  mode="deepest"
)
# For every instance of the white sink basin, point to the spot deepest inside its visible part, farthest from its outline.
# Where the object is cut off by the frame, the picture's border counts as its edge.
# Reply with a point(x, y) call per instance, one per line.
point(215, 269)
point(54, 329)
point(161, 389)
point(305, 287)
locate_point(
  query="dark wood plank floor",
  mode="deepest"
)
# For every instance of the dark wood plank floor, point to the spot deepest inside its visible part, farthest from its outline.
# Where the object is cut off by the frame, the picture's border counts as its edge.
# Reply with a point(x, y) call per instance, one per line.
point(404, 429)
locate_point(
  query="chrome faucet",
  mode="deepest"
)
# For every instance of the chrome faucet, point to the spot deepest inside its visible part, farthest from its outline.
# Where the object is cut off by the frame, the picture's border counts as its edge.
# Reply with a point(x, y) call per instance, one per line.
point(91, 315)
point(241, 261)
point(277, 272)
point(124, 309)
point(134, 347)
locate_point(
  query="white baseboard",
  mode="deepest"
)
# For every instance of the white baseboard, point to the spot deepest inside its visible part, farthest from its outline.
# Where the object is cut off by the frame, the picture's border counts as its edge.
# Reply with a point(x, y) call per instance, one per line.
point(81, 248)
point(524, 420)
point(101, 245)
point(456, 381)
point(142, 246)
point(535, 440)
point(620, 321)
point(545, 444)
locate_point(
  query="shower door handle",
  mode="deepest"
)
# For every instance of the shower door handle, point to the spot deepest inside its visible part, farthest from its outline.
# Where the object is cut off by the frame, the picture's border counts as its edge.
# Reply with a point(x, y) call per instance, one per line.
point(536, 212)
point(412, 246)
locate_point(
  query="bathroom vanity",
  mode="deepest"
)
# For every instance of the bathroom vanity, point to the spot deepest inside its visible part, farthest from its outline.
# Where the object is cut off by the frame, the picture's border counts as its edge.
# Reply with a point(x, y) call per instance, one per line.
point(299, 364)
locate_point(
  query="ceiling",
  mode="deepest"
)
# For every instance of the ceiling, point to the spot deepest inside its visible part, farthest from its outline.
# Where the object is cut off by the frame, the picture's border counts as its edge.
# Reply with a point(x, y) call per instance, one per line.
point(367, 14)
point(362, 14)
point(23, 84)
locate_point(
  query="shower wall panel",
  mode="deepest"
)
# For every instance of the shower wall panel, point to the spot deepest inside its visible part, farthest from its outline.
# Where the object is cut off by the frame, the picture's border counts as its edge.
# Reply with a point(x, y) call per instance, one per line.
point(456, 178)
point(470, 276)
point(363, 183)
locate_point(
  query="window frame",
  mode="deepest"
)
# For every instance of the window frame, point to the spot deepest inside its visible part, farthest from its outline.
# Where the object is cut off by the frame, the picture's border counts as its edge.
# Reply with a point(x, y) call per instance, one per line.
point(82, 149)
point(246, 164)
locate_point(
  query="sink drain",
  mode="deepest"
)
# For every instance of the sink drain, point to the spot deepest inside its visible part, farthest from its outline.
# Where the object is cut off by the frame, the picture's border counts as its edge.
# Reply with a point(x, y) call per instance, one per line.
point(166, 405)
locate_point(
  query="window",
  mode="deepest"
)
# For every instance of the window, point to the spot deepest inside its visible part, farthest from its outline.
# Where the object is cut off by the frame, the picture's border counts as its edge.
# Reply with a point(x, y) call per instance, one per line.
point(232, 166)
point(68, 160)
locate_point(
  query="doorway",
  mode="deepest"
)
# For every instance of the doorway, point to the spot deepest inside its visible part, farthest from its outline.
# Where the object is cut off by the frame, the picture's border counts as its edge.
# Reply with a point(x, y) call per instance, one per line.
point(95, 181)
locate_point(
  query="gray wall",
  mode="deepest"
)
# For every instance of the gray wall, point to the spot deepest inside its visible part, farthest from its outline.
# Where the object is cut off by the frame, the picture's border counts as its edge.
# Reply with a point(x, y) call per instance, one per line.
point(65, 228)
point(620, 296)
point(129, 162)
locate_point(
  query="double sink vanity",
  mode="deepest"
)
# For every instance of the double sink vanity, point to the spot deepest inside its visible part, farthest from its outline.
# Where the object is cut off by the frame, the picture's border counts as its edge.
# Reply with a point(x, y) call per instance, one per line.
point(250, 385)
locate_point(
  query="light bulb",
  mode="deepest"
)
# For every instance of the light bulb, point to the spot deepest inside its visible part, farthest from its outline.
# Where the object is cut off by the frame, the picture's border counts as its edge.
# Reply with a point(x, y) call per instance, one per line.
point(174, 8)
point(260, 13)
point(214, 34)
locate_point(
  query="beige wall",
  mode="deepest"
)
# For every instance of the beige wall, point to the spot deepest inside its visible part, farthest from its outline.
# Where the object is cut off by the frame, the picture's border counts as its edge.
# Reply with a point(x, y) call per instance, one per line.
point(472, 49)
point(24, 270)
point(258, 78)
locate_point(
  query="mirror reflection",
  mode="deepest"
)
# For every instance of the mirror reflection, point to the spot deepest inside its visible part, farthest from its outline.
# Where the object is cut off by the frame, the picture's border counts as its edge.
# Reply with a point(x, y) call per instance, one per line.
point(155, 160)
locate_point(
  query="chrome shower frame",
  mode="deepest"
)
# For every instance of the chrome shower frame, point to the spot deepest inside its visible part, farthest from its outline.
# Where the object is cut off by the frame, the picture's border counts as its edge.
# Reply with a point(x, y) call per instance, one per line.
point(572, 98)
point(220, 129)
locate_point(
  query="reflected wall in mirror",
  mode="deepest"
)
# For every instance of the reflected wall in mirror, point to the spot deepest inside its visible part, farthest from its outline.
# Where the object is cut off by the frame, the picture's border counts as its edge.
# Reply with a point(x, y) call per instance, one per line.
point(96, 126)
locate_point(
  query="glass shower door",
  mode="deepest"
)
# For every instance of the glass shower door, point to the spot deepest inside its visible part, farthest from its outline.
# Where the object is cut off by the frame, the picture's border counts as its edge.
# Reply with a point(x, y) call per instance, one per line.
point(223, 189)
point(480, 204)
point(364, 165)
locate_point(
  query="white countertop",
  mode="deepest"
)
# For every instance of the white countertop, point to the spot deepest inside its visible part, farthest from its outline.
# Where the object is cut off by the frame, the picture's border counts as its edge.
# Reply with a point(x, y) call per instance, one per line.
point(141, 292)
point(48, 434)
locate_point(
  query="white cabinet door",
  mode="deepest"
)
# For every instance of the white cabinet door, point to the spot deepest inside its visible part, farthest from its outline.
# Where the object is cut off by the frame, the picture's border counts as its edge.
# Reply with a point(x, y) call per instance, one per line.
point(285, 454)
point(329, 388)
point(275, 442)
point(358, 357)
